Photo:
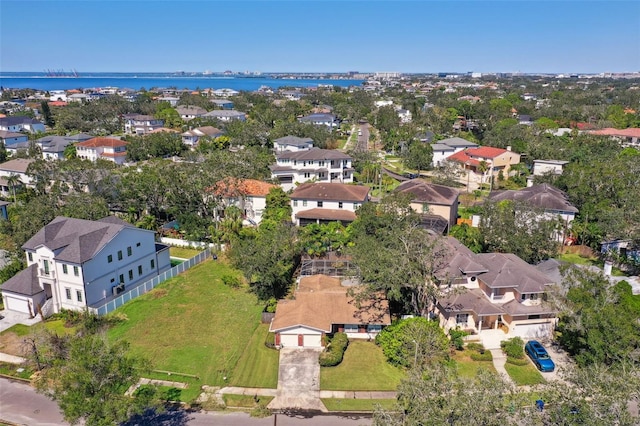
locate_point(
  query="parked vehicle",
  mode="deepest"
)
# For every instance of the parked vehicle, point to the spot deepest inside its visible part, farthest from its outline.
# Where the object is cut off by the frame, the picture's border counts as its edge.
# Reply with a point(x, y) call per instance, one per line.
point(539, 356)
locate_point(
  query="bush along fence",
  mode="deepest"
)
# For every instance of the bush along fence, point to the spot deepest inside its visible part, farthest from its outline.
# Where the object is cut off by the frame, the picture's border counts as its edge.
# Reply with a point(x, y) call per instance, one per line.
point(112, 303)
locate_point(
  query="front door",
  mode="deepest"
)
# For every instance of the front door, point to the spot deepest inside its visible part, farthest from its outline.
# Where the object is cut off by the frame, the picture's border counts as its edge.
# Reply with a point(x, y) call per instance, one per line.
point(47, 290)
point(300, 339)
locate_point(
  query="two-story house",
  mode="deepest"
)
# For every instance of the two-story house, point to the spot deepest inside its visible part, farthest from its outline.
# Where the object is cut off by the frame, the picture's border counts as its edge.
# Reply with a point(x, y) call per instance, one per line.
point(74, 264)
point(226, 115)
point(189, 112)
point(321, 165)
point(292, 144)
point(249, 195)
point(486, 161)
point(447, 147)
point(489, 291)
point(14, 169)
point(138, 124)
point(191, 137)
point(110, 149)
point(326, 202)
point(432, 202)
point(222, 103)
point(21, 123)
point(11, 138)
point(320, 119)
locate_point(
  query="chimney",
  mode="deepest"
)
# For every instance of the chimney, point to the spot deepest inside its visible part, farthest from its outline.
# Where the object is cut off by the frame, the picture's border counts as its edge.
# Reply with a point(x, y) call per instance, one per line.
point(509, 148)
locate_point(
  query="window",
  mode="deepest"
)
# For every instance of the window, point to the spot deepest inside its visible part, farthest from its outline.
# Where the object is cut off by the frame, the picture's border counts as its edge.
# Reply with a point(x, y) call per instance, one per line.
point(139, 270)
point(130, 274)
point(79, 295)
point(121, 278)
point(319, 203)
point(137, 244)
point(153, 264)
point(356, 205)
point(64, 269)
point(321, 163)
point(374, 328)
point(68, 293)
point(351, 328)
point(30, 256)
point(45, 263)
point(295, 203)
point(425, 208)
point(339, 204)
point(304, 203)
point(129, 251)
point(110, 258)
point(76, 271)
point(307, 175)
point(462, 319)
point(119, 254)
point(113, 280)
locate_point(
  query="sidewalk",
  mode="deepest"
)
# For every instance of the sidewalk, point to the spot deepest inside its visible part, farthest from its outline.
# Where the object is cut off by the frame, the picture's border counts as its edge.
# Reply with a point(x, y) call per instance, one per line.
point(499, 360)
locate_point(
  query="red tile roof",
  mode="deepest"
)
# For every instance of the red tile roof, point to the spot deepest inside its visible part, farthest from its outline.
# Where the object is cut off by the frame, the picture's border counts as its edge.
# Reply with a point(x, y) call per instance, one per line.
point(232, 187)
point(485, 152)
point(632, 132)
point(462, 157)
point(102, 142)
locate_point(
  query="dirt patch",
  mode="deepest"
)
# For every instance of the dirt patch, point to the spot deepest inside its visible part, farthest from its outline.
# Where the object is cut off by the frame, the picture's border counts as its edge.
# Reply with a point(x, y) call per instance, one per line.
point(12, 344)
point(158, 293)
point(583, 251)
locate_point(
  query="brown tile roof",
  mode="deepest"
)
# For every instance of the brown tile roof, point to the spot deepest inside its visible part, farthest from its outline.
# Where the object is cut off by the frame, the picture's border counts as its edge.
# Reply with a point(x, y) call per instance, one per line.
point(423, 192)
point(102, 142)
point(630, 132)
point(232, 187)
point(331, 192)
point(506, 270)
point(322, 301)
point(327, 214)
point(19, 165)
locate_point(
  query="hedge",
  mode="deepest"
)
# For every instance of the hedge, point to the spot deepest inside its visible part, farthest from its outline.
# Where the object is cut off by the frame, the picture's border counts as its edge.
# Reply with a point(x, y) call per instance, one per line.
point(334, 352)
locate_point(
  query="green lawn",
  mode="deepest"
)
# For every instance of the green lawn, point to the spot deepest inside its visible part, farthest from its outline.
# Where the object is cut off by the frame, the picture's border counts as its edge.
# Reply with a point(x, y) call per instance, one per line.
point(576, 259)
point(258, 365)
point(524, 374)
point(469, 368)
point(57, 326)
point(184, 253)
point(363, 368)
point(192, 324)
point(351, 404)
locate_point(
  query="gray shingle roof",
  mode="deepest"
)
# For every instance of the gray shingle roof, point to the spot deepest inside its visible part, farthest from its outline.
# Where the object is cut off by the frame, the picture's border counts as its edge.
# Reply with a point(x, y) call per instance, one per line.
point(458, 142)
point(544, 196)
point(293, 140)
point(24, 282)
point(76, 240)
point(506, 270)
point(470, 300)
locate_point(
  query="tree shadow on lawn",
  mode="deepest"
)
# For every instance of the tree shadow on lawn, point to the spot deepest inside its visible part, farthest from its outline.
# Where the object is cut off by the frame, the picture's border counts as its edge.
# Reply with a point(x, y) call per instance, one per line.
point(170, 417)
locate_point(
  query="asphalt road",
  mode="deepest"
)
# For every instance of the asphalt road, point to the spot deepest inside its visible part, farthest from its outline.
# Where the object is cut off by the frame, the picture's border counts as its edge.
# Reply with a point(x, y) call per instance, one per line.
point(21, 405)
point(363, 138)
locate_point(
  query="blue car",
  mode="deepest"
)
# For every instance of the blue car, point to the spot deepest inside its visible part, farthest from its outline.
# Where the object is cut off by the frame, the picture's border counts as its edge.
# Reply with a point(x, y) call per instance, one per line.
point(539, 356)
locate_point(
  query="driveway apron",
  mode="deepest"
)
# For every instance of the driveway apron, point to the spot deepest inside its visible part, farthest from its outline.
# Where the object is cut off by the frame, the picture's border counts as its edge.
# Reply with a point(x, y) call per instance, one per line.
point(298, 381)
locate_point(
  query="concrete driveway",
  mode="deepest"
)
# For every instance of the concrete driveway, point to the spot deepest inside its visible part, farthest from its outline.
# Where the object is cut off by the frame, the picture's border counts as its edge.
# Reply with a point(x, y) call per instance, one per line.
point(11, 318)
point(298, 381)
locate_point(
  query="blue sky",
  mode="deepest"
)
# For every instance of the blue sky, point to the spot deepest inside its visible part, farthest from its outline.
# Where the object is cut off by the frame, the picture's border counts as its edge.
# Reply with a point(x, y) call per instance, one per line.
point(298, 36)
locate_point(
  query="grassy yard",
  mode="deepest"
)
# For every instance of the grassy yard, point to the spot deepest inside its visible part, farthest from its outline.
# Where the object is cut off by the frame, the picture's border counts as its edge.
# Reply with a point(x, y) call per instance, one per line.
point(467, 367)
point(258, 365)
point(524, 374)
point(181, 252)
point(363, 368)
point(351, 404)
point(192, 324)
point(576, 259)
point(245, 401)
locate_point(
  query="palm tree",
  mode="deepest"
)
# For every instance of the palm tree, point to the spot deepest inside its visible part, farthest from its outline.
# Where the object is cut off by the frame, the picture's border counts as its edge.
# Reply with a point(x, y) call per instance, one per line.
point(12, 181)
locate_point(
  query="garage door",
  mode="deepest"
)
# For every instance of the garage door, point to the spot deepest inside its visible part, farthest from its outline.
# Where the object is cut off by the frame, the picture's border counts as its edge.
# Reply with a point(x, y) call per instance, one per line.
point(533, 331)
point(289, 340)
point(312, 341)
point(18, 305)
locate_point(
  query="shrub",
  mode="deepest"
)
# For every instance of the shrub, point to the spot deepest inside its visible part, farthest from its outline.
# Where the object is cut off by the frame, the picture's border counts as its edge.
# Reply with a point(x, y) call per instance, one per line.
point(513, 347)
point(270, 340)
point(481, 356)
point(476, 347)
point(414, 339)
point(517, 361)
point(334, 352)
point(271, 305)
point(231, 281)
point(457, 338)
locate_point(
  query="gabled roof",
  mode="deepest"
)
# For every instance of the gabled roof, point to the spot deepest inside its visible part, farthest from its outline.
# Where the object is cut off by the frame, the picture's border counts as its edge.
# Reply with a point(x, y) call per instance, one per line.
point(19, 165)
point(294, 140)
point(331, 192)
point(461, 260)
point(423, 192)
point(102, 142)
point(5, 134)
point(225, 113)
point(190, 110)
point(322, 301)
point(231, 187)
point(318, 117)
point(76, 240)
point(464, 158)
point(17, 119)
point(544, 196)
point(24, 282)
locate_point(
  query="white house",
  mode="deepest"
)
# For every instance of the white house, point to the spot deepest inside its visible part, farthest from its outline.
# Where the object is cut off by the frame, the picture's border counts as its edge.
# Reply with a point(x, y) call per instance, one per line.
point(191, 137)
point(323, 165)
point(138, 124)
point(75, 264)
point(114, 150)
point(189, 112)
point(16, 167)
point(58, 95)
point(225, 93)
point(21, 123)
point(249, 195)
point(447, 147)
point(320, 119)
point(226, 115)
point(293, 144)
point(327, 202)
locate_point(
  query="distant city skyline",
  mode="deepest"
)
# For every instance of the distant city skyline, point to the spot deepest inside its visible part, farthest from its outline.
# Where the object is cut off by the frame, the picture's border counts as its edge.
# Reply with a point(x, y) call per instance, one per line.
point(320, 36)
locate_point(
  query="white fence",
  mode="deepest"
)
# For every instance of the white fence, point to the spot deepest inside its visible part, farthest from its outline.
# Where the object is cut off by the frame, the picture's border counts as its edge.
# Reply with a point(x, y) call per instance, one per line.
point(111, 304)
point(186, 243)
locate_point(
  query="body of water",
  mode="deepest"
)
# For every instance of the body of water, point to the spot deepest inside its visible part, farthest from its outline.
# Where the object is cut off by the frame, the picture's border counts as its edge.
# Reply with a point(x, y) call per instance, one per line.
point(137, 81)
